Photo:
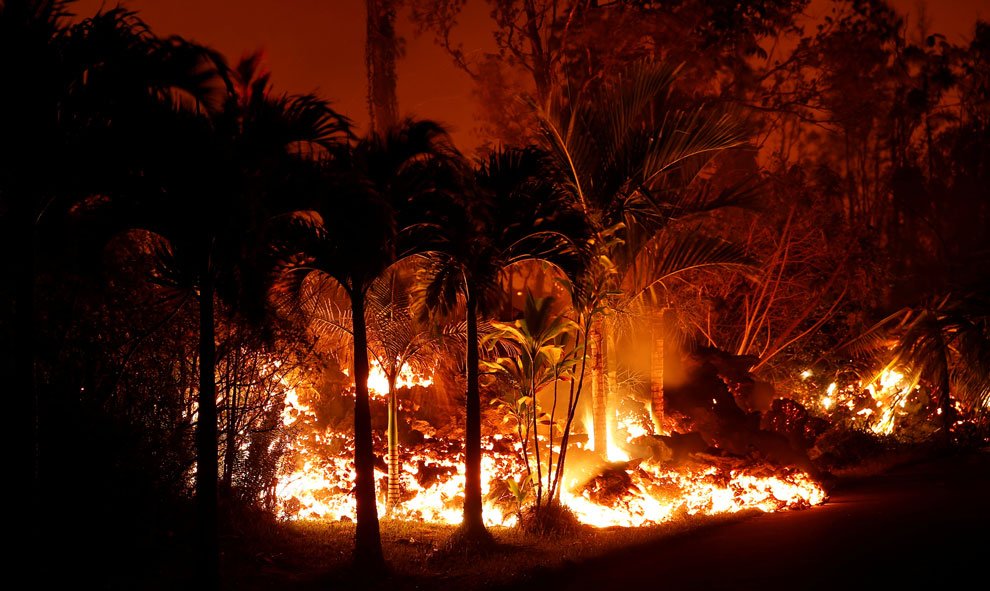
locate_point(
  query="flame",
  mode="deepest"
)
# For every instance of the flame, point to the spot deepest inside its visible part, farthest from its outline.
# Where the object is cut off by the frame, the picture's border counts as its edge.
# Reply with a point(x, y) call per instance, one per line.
point(318, 476)
point(695, 491)
point(378, 380)
point(888, 397)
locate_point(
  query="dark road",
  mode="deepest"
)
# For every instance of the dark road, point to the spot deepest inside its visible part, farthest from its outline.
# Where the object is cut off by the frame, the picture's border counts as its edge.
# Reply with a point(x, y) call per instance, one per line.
point(919, 525)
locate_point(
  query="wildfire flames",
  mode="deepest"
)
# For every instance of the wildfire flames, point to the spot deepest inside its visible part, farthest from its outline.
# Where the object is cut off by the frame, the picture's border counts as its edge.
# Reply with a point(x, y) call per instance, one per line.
point(318, 476)
point(891, 395)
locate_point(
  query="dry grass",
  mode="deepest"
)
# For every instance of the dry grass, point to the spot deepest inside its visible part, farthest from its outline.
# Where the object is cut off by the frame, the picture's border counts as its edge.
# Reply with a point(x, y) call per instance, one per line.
point(306, 555)
point(315, 555)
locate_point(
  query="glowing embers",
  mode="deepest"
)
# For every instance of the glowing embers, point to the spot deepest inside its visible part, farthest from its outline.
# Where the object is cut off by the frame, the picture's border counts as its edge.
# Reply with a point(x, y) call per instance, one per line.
point(645, 492)
point(654, 494)
point(880, 402)
point(318, 474)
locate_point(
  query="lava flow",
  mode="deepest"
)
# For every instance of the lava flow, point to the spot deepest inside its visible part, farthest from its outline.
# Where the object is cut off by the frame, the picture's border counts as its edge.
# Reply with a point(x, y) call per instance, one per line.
point(318, 472)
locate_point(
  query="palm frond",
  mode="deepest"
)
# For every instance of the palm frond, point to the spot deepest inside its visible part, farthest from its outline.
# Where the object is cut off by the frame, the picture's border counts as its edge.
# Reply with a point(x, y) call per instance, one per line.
point(672, 254)
point(685, 135)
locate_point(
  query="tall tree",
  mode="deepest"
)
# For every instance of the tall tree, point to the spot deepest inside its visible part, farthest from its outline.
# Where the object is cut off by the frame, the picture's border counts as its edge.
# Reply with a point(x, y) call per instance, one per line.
point(201, 184)
point(362, 216)
point(632, 159)
point(86, 90)
point(514, 213)
point(381, 50)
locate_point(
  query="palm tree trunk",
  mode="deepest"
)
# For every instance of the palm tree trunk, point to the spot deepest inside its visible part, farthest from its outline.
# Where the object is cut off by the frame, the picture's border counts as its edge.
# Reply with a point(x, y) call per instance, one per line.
point(599, 386)
point(24, 393)
point(947, 412)
point(656, 374)
point(206, 434)
point(474, 524)
point(392, 499)
point(611, 378)
point(367, 540)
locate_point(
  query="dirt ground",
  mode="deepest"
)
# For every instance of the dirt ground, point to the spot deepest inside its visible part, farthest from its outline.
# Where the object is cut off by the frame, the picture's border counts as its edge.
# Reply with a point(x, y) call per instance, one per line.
point(920, 524)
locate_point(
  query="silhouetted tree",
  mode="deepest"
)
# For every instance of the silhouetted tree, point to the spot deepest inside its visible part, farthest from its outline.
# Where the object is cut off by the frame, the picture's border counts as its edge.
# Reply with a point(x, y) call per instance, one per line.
point(515, 212)
point(200, 186)
point(81, 85)
point(362, 217)
point(399, 339)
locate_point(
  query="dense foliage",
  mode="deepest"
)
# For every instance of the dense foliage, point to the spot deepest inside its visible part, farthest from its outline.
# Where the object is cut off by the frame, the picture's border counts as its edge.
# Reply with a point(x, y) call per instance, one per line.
point(707, 178)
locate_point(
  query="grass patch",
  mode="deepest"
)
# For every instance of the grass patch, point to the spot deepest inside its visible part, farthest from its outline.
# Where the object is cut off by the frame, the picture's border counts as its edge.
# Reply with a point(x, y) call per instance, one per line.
point(316, 554)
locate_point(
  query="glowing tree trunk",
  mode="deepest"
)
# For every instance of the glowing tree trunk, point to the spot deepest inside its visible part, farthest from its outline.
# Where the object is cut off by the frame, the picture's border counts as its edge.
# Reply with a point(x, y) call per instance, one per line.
point(611, 375)
point(230, 439)
point(392, 498)
point(656, 376)
point(600, 386)
point(660, 356)
point(367, 542)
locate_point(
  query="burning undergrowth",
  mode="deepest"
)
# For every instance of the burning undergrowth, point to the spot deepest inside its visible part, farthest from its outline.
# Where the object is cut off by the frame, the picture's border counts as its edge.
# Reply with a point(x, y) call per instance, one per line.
point(644, 478)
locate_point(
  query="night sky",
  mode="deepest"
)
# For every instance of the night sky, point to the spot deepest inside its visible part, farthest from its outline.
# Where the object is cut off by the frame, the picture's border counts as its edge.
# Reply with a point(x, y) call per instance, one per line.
point(318, 45)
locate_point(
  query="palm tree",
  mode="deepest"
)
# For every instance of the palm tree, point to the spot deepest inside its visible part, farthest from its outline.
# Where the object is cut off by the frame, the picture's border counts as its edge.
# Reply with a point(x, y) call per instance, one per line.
point(203, 181)
point(91, 95)
point(633, 161)
point(362, 218)
point(515, 213)
point(32, 35)
point(398, 339)
point(944, 343)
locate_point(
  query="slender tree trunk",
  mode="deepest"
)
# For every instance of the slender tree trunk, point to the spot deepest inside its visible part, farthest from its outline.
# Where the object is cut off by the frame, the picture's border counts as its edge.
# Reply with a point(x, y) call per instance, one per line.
point(573, 398)
point(536, 440)
point(663, 364)
point(23, 395)
point(599, 386)
point(474, 524)
point(611, 377)
point(367, 540)
point(230, 450)
point(539, 55)
point(656, 374)
point(947, 412)
point(206, 434)
point(380, 53)
point(392, 499)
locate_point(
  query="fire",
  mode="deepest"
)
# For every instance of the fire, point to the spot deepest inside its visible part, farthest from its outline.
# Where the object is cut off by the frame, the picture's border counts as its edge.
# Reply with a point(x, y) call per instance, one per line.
point(889, 394)
point(659, 494)
point(319, 474)
point(378, 381)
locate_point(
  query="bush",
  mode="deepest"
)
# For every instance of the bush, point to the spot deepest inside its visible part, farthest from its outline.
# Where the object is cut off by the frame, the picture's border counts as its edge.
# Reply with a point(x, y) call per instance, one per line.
point(550, 520)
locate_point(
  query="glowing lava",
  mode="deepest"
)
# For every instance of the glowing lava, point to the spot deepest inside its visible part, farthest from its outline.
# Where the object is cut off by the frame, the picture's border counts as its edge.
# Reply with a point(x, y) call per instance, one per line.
point(318, 472)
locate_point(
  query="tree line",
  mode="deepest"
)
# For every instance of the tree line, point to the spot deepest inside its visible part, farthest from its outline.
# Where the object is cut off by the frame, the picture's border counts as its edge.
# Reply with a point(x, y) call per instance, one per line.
point(165, 214)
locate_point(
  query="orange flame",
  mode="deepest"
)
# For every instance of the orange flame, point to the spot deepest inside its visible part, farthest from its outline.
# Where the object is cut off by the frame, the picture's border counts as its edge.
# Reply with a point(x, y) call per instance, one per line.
point(316, 485)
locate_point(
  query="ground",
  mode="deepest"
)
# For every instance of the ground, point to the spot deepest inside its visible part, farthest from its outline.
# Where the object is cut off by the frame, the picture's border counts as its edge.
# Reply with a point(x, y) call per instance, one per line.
point(915, 523)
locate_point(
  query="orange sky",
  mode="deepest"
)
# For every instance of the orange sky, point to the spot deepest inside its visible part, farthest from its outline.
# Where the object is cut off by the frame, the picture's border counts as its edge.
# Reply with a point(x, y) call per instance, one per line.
point(318, 46)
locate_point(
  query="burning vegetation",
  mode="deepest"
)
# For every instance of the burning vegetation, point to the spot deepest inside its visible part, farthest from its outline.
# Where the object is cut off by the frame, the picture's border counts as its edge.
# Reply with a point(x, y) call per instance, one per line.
point(706, 256)
point(317, 474)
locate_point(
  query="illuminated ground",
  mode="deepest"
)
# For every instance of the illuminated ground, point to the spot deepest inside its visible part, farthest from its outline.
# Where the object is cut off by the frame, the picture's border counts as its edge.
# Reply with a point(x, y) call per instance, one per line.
point(919, 525)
